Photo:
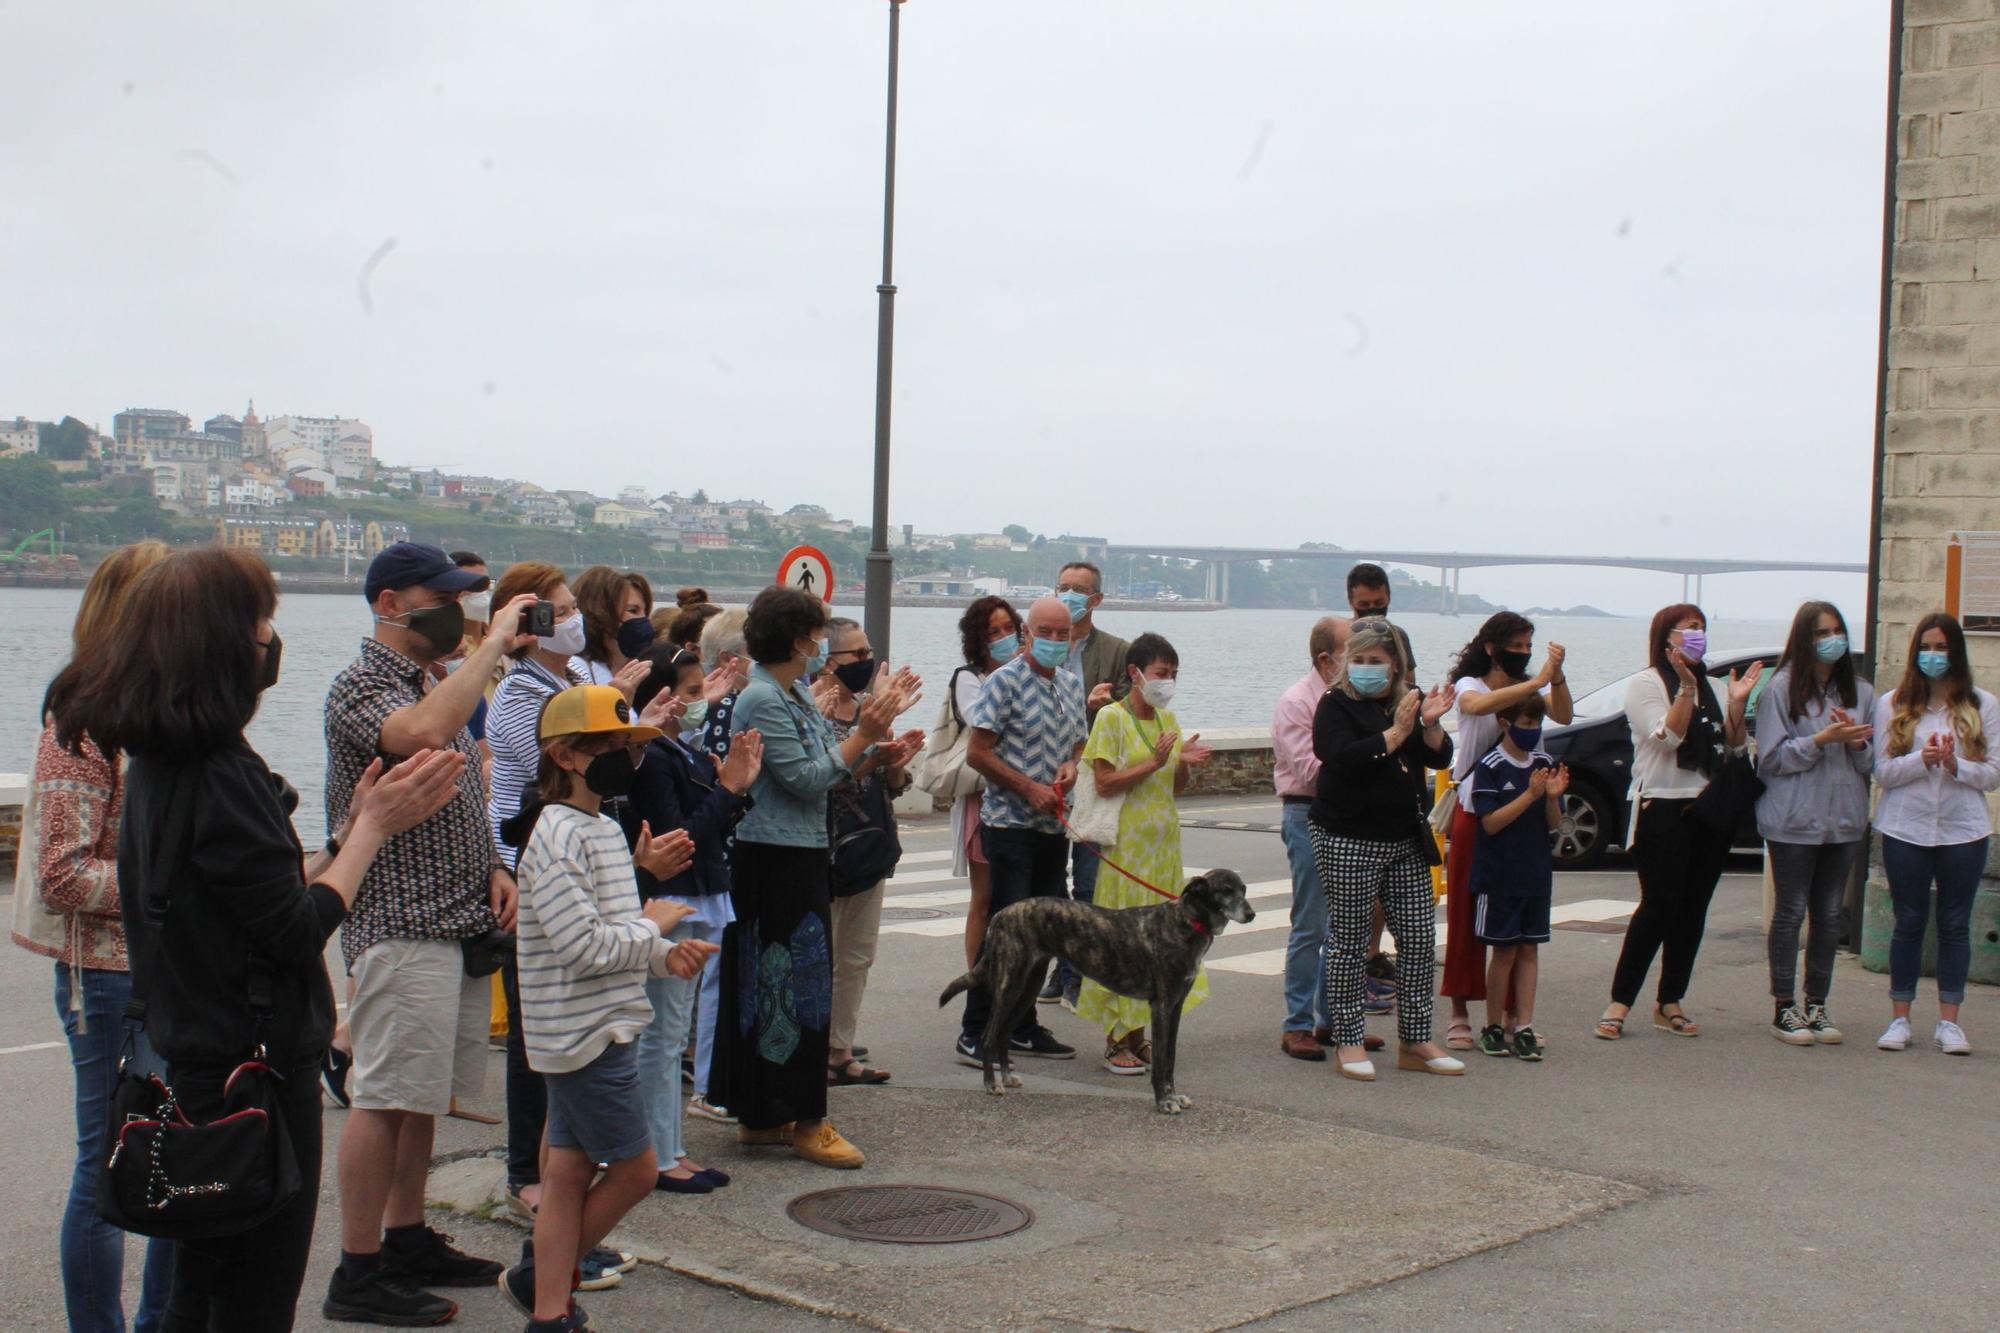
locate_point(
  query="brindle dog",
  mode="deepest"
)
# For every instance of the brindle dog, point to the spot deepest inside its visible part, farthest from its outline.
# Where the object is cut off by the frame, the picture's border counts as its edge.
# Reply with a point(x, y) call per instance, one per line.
point(1144, 953)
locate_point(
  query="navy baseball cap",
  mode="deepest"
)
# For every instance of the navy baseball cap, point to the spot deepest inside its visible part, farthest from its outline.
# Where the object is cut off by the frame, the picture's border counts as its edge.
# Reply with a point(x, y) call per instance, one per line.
point(417, 565)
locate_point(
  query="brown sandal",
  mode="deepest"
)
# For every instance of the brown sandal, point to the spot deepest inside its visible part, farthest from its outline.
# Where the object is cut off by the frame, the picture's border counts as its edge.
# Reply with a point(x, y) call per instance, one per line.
point(1609, 1028)
point(1677, 1023)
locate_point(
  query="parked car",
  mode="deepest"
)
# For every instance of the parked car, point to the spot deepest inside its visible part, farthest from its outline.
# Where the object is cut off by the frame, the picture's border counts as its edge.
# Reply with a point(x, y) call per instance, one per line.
point(1597, 746)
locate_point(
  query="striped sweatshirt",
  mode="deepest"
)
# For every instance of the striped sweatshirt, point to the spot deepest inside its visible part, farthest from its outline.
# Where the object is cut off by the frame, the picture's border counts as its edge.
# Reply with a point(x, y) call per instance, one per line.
point(583, 948)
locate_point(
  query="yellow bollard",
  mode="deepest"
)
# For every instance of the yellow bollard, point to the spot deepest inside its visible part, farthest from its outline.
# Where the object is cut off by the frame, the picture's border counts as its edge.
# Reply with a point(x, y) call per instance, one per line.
point(1439, 786)
point(496, 1023)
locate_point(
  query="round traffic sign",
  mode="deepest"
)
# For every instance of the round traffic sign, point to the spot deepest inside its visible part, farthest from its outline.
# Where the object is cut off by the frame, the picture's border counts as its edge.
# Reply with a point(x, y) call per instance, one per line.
point(807, 569)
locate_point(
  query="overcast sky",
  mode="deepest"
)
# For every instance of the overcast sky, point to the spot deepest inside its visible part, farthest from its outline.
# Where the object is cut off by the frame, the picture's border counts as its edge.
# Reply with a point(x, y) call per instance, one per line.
point(1525, 277)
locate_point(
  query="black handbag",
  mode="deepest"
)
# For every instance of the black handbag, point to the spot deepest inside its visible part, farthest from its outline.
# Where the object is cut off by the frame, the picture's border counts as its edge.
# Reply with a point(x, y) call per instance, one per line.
point(862, 835)
point(1730, 796)
point(165, 1175)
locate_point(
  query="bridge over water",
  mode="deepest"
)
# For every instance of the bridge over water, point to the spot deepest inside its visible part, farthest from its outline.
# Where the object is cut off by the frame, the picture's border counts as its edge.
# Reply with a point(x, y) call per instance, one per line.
point(1692, 569)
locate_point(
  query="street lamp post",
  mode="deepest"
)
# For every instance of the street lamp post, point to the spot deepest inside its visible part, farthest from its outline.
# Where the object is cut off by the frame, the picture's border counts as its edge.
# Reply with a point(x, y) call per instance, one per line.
point(881, 571)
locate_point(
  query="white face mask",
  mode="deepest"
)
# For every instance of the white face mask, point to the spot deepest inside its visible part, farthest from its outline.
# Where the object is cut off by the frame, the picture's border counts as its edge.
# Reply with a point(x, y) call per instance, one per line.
point(1157, 693)
point(568, 637)
point(478, 606)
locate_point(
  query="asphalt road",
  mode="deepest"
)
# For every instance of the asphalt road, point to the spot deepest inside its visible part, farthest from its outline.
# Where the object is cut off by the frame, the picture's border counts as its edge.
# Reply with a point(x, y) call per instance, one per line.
point(1829, 1186)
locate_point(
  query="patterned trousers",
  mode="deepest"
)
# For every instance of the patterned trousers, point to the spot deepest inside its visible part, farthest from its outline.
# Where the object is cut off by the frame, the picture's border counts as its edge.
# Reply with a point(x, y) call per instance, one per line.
point(1356, 873)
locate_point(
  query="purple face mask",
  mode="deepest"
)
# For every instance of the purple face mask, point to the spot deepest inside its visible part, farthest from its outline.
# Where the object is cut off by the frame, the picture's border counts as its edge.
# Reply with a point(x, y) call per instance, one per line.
point(1694, 644)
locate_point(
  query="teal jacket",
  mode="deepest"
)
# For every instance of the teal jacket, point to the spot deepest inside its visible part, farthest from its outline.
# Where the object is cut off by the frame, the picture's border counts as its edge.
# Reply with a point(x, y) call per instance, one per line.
point(802, 763)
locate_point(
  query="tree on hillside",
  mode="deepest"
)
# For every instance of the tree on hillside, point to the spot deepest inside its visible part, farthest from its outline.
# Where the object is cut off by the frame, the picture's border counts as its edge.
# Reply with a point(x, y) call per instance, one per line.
point(66, 441)
point(31, 496)
point(1014, 532)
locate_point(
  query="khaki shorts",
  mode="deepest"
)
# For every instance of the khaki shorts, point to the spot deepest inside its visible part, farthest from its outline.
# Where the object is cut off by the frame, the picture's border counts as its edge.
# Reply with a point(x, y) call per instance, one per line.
point(419, 1027)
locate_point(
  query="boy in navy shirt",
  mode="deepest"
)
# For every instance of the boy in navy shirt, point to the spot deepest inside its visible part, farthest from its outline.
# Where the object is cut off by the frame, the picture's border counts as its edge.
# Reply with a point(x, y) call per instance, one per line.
point(1513, 869)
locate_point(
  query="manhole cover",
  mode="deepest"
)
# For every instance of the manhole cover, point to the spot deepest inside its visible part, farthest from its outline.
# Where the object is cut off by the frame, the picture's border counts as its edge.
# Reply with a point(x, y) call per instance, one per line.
point(908, 1214)
point(911, 914)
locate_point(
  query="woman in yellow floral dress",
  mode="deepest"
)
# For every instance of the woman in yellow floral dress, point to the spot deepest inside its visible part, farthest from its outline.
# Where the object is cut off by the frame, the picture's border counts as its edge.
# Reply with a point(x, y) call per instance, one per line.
point(1135, 750)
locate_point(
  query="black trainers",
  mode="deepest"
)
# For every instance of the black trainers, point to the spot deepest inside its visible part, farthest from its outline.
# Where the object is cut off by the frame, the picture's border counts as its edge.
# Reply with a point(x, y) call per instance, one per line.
point(385, 1297)
point(1790, 1027)
point(574, 1320)
point(1527, 1046)
point(967, 1051)
point(1042, 1043)
point(435, 1262)
point(1052, 989)
point(1822, 1028)
point(333, 1067)
point(1493, 1040)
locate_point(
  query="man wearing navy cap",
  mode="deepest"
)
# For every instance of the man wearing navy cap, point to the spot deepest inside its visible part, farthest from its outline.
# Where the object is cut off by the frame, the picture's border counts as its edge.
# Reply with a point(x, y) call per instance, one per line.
point(416, 1020)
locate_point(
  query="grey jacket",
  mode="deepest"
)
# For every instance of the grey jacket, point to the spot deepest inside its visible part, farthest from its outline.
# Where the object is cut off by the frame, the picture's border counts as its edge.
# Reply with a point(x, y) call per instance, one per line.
point(1812, 795)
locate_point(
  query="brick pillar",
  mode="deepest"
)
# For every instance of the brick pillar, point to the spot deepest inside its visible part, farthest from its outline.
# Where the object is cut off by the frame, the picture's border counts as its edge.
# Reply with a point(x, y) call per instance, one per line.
point(1940, 463)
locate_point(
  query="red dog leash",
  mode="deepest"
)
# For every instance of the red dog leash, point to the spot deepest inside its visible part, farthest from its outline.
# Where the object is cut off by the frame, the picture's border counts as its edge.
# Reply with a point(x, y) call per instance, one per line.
point(1199, 927)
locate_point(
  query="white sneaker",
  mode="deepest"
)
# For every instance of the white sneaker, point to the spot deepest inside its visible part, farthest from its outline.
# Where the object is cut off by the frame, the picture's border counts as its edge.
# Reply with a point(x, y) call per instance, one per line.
point(1896, 1038)
point(1950, 1038)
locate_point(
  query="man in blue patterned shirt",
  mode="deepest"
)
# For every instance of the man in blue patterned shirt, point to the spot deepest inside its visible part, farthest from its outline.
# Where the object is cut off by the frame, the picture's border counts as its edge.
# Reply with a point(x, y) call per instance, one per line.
point(1028, 727)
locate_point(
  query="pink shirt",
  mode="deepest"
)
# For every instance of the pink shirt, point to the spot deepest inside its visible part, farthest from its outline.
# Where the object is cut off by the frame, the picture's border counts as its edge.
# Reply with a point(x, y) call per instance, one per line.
point(1295, 766)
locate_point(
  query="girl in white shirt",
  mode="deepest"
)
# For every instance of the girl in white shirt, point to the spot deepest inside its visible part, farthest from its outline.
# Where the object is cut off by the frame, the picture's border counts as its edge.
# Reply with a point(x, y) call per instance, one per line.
point(1933, 762)
point(1681, 737)
point(990, 637)
point(1491, 674)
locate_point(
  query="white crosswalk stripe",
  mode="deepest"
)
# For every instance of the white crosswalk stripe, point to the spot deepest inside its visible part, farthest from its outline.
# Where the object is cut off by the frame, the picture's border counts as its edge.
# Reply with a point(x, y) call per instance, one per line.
point(1271, 962)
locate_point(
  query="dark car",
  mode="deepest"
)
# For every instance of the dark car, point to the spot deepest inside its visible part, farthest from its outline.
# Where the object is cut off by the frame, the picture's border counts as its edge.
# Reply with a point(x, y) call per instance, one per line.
point(1597, 746)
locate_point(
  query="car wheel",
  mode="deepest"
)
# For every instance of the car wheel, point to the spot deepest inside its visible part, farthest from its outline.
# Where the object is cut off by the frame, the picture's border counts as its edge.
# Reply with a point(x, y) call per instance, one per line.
point(1586, 829)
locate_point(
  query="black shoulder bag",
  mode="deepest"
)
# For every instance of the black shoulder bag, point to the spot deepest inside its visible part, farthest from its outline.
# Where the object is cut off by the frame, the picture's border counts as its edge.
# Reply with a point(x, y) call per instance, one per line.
point(163, 1174)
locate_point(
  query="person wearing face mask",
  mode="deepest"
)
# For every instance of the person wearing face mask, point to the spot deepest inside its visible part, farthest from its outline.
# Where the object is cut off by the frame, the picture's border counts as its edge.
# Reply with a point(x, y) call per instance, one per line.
point(593, 949)
point(679, 787)
point(1814, 757)
point(1515, 795)
point(1295, 769)
point(478, 607)
point(1491, 674)
point(866, 844)
point(726, 659)
point(989, 635)
point(1933, 761)
point(417, 1022)
point(1375, 733)
point(1026, 731)
point(1136, 751)
point(243, 903)
point(617, 626)
point(777, 972)
point(1681, 738)
point(1098, 658)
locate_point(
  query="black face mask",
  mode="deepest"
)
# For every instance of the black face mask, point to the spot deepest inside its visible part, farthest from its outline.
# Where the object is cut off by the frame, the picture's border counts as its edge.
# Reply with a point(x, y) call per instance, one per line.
point(1514, 664)
point(611, 775)
point(636, 635)
point(856, 676)
point(442, 627)
point(273, 651)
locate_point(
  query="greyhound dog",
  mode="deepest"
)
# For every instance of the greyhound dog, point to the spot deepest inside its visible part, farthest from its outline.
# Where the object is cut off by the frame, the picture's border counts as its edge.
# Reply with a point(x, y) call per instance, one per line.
point(1143, 953)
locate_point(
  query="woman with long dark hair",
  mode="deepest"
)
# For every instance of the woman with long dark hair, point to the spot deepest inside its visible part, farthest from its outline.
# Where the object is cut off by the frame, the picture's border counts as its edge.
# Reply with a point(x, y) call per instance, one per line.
point(175, 697)
point(989, 634)
point(1490, 675)
point(1934, 762)
point(1682, 735)
point(1813, 755)
point(617, 625)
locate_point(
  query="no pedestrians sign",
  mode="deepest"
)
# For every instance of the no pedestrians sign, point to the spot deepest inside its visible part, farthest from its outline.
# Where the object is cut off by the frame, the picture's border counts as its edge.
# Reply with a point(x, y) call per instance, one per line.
point(807, 569)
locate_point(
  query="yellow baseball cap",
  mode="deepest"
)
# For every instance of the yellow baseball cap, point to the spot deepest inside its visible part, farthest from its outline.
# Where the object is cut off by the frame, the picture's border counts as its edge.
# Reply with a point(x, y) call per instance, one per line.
point(592, 710)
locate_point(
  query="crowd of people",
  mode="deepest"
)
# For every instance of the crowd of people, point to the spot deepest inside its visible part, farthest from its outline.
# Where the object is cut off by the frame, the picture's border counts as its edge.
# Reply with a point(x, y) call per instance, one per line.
point(668, 832)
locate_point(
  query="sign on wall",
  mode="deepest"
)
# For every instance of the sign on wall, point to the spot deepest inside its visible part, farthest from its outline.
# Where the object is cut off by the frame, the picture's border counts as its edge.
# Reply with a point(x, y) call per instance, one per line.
point(1972, 581)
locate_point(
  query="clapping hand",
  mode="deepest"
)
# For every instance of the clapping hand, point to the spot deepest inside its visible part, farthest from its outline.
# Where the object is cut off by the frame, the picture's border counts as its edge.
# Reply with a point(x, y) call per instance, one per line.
point(1163, 748)
point(878, 714)
point(1740, 687)
point(1438, 702)
point(1406, 710)
point(1538, 783)
point(1842, 729)
point(1552, 665)
point(410, 793)
point(665, 856)
point(1684, 669)
point(1100, 695)
point(1194, 753)
point(666, 706)
point(744, 762)
point(686, 959)
point(898, 752)
point(1933, 751)
point(1950, 752)
point(1558, 779)
point(666, 913)
point(631, 676)
point(717, 685)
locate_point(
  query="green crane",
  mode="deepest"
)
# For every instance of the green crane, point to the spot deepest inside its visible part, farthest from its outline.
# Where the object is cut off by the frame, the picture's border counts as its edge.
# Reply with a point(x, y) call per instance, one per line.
point(14, 556)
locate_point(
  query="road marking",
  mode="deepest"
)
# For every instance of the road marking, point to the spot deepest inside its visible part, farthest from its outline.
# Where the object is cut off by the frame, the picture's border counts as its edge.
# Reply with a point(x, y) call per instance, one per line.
point(1271, 962)
point(32, 1046)
point(959, 897)
point(909, 857)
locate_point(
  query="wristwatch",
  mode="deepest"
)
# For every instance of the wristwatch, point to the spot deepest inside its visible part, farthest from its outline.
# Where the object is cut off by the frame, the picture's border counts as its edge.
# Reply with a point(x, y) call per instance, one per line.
point(333, 844)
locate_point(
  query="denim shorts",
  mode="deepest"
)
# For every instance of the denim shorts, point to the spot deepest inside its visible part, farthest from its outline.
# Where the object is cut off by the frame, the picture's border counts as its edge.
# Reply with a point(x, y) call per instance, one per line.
point(600, 1108)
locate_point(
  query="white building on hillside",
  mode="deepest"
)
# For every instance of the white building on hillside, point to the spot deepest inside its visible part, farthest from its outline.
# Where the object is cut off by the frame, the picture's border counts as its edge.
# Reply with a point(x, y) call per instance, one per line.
point(19, 436)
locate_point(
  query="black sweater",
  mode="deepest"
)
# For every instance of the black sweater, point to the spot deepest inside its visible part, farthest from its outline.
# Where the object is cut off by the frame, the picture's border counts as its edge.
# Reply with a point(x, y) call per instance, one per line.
point(677, 789)
point(1364, 791)
point(238, 892)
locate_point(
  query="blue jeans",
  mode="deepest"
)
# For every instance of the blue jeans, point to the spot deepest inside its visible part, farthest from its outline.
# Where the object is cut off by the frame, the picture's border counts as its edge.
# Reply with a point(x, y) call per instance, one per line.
point(93, 1251)
point(1956, 868)
point(1083, 866)
point(1305, 951)
point(704, 1019)
point(660, 1046)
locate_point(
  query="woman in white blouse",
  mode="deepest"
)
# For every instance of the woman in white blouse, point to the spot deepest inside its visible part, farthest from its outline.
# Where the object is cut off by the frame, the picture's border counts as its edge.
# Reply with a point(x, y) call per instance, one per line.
point(990, 635)
point(1933, 762)
point(1681, 737)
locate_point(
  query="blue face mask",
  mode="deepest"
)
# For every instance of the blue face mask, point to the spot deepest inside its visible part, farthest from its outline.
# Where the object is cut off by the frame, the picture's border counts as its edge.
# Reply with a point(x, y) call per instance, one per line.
point(1050, 653)
point(1933, 664)
point(1003, 650)
point(1832, 648)
point(1527, 738)
point(816, 658)
point(1369, 679)
point(1077, 603)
